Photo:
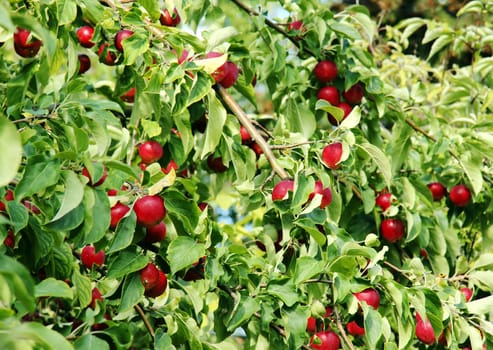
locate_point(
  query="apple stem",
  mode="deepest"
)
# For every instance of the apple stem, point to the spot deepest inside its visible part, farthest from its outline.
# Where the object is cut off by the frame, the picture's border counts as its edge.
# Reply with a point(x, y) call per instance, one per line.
point(145, 320)
point(247, 123)
point(274, 26)
point(341, 329)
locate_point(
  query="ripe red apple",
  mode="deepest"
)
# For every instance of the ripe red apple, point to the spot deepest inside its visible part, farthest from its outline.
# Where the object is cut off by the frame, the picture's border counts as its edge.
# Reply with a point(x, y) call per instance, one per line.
point(392, 230)
point(281, 189)
point(84, 63)
point(150, 151)
point(330, 94)
point(9, 241)
point(257, 149)
point(325, 192)
point(467, 292)
point(118, 211)
point(460, 195)
point(112, 192)
point(9, 196)
point(370, 296)
point(311, 322)
point(355, 329)
point(331, 155)
point(384, 200)
point(216, 164)
point(355, 94)
point(149, 276)
point(438, 191)
point(101, 180)
point(424, 330)
point(129, 96)
point(196, 272)
point(295, 25)
point(245, 136)
point(120, 36)
point(89, 257)
point(219, 73)
point(85, 34)
point(325, 71)
point(95, 296)
point(110, 58)
point(230, 76)
point(346, 109)
point(327, 340)
point(160, 286)
point(31, 207)
point(156, 233)
point(171, 165)
point(25, 47)
point(203, 206)
point(169, 20)
point(150, 210)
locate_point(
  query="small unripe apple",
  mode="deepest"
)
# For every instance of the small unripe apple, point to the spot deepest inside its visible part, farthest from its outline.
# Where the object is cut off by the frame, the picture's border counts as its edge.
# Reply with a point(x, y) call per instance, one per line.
point(101, 180)
point(325, 71)
point(150, 210)
point(355, 94)
point(169, 20)
point(129, 96)
point(467, 292)
point(118, 211)
point(392, 230)
point(330, 94)
point(110, 58)
point(85, 34)
point(149, 276)
point(23, 46)
point(370, 296)
point(150, 151)
point(84, 63)
point(327, 340)
point(424, 330)
point(156, 233)
point(355, 329)
point(331, 155)
point(120, 36)
point(460, 195)
point(281, 189)
point(438, 191)
point(95, 296)
point(159, 288)
point(384, 200)
point(230, 76)
point(89, 257)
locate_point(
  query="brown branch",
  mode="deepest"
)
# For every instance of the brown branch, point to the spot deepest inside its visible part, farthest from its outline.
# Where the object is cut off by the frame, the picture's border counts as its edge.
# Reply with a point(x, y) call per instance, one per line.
point(247, 123)
point(145, 320)
point(275, 26)
point(342, 331)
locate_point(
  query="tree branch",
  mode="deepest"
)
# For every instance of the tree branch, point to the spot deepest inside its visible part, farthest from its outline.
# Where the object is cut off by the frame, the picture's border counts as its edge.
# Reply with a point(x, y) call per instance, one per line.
point(342, 331)
point(247, 123)
point(145, 320)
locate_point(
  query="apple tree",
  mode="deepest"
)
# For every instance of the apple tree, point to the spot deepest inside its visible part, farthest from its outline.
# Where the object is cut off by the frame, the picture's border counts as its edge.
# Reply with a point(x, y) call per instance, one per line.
point(233, 174)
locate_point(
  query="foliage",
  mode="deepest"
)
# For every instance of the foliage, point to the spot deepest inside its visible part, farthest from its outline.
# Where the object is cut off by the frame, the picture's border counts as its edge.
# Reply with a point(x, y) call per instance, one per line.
point(244, 271)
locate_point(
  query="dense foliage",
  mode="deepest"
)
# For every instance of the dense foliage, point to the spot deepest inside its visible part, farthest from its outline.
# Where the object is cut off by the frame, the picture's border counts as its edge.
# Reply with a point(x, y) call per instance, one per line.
point(244, 175)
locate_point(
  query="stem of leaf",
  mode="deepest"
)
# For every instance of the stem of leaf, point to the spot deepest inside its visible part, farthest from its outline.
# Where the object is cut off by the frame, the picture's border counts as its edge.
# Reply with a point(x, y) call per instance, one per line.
point(145, 320)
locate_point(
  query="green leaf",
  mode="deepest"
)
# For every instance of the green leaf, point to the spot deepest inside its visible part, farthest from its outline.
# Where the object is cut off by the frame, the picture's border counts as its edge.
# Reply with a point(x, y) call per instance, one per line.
point(10, 160)
point(152, 7)
point(308, 225)
point(373, 327)
point(244, 309)
point(66, 11)
point(51, 287)
point(40, 173)
point(284, 291)
point(5, 20)
point(134, 47)
point(90, 341)
point(215, 124)
point(18, 215)
point(69, 221)
point(48, 338)
point(472, 168)
point(19, 280)
point(344, 265)
point(345, 30)
point(380, 160)
point(83, 290)
point(133, 290)
point(480, 306)
point(126, 262)
point(183, 252)
point(183, 212)
point(72, 195)
point(124, 233)
point(96, 215)
point(483, 279)
point(352, 120)
point(306, 268)
point(151, 128)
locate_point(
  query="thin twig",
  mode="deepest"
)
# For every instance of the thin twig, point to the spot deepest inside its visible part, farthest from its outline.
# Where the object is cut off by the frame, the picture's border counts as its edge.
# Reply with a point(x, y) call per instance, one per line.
point(145, 320)
point(342, 331)
point(247, 123)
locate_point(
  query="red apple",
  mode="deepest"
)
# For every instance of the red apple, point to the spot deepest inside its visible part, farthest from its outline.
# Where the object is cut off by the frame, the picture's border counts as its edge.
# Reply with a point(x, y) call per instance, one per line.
point(9, 196)
point(129, 96)
point(346, 109)
point(467, 292)
point(384, 200)
point(149, 276)
point(31, 207)
point(325, 192)
point(120, 36)
point(355, 329)
point(101, 180)
point(281, 189)
point(95, 296)
point(325, 71)
point(424, 330)
point(330, 94)
point(331, 155)
point(9, 241)
point(85, 34)
point(112, 192)
point(169, 20)
point(311, 322)
point(438, 191)
point(171, 165)
point(216, 164)
point(156, 233)
point(245, 136)
point(25, 47)
point(355, 94)
point(89, 257)
point(219, 73)
point(150, 210)
point(256, 148)
point(196, 272)
point(230, 76)
point(160, 286)
point(327, 340)
point(295, 25)
point(392, 230)
point(460, 195)
point(84, 63)
point(110, 58)
point(150, 151)
point(118, 211)
point(370, 296)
